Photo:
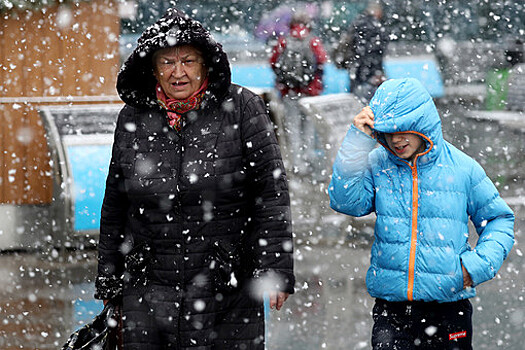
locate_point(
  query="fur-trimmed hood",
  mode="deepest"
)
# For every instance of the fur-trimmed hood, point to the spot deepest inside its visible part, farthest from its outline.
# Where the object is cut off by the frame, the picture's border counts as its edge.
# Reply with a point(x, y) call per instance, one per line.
point(136, 82)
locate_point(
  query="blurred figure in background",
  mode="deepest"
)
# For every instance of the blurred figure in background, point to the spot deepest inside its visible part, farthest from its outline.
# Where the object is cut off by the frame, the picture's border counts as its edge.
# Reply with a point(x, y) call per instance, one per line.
point(297, 61)
point(361, 51)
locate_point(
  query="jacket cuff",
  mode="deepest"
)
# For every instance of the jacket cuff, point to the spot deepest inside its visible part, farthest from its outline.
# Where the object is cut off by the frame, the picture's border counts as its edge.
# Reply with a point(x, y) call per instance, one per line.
point(108, 287)
point(359, 139)
point(477, 268)
point(274, 280)
point(352, 157)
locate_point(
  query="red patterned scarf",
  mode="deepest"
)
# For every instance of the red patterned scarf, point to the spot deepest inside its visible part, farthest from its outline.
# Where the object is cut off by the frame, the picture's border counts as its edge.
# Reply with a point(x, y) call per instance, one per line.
point(177, 107)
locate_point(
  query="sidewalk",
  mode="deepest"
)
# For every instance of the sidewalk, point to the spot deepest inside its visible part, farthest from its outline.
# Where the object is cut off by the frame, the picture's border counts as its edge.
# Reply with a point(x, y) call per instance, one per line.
point(44, 297)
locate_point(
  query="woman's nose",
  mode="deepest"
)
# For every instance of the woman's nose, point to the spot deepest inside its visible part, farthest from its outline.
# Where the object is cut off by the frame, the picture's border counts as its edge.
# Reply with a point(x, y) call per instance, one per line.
point(178, 69)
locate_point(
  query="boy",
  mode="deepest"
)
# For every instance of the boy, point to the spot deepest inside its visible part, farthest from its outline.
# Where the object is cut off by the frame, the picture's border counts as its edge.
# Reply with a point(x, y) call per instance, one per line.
point(423, 191)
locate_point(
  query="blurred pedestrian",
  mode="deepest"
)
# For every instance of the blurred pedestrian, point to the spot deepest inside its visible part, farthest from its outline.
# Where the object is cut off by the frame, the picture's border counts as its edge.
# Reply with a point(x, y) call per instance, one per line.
point(298, 58)
point(297, 61)
point(424, 191)
point(361, 50)
point(195, 220)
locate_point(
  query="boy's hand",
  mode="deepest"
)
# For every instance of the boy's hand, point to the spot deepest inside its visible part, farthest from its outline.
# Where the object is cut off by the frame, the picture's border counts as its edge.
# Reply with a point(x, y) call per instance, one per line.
point(467, 280)
point(364, 121)
point(277, 299)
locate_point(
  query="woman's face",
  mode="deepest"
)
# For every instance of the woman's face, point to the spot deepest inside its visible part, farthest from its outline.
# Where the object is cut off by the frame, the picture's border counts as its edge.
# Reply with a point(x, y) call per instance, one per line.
point(179, 70)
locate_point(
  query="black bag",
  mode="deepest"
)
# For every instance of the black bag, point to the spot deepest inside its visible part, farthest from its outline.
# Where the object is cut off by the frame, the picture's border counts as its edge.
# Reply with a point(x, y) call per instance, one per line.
point(100, 334)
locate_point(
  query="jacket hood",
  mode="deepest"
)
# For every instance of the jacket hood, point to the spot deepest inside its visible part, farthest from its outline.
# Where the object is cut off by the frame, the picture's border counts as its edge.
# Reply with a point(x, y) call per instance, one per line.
point(136, 82)
point(404, 105)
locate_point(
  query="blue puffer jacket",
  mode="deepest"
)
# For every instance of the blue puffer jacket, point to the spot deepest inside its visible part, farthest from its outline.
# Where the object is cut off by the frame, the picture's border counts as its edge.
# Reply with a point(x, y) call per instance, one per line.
point(422, 209)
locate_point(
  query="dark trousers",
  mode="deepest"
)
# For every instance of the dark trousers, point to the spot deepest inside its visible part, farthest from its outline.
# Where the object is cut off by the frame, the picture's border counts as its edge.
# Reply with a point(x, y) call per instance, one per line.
point(422, 325)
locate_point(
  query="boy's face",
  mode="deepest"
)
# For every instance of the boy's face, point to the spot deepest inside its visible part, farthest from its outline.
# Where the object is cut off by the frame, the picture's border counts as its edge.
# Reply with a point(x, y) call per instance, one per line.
point(405, 144)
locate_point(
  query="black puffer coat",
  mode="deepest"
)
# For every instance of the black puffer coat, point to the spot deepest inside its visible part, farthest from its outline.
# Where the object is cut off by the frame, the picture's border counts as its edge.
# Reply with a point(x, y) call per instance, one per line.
point(191, 220)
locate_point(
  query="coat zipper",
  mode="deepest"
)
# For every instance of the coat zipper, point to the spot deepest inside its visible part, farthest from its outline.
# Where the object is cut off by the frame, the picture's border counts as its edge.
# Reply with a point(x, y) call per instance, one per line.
point(413, 238)
point(178, 208)
point(182, 246)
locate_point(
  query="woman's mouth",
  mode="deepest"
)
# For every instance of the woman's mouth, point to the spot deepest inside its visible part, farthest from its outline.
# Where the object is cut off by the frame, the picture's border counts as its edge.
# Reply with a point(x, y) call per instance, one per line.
point(179, 84)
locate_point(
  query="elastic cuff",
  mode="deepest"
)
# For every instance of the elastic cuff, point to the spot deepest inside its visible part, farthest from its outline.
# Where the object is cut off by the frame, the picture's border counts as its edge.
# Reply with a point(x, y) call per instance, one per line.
point(275, 280)
point(108, 287)
point(476, 268)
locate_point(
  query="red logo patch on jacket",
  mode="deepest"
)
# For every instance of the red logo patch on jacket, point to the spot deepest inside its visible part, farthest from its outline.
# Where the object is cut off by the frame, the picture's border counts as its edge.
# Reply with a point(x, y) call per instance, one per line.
point(458, 335)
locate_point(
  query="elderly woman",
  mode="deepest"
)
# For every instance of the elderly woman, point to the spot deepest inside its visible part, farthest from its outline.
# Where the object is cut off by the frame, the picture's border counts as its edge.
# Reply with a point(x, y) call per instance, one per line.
point(195, 221)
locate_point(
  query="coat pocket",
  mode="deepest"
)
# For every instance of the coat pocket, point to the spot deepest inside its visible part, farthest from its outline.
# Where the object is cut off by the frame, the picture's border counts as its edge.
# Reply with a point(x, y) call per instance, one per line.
point(224, 264)
point(138, 265)
point(452, 284)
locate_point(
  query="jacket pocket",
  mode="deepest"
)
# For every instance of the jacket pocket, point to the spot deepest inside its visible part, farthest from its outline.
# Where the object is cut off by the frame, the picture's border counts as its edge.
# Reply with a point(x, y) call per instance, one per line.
point(458, 278)
point(224, 264)
point(138, 265)
point(460, 274)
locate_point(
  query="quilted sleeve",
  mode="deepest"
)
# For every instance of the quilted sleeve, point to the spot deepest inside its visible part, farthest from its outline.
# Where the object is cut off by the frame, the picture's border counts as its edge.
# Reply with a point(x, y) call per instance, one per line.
point(494, 222)
point(270, 241)
point(108, 283)
point(351, 190)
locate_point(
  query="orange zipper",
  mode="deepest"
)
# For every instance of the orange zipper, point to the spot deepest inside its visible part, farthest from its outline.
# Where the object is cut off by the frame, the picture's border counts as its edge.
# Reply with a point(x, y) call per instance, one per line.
point(413, 238)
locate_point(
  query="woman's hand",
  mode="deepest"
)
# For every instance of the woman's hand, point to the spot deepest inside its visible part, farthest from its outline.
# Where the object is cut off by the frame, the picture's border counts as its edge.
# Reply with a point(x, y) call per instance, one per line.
point(364, 121)
point(467, 280)
point(277, 299)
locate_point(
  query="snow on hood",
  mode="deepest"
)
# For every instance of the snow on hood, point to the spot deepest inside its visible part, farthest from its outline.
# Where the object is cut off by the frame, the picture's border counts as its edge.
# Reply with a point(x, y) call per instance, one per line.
point(401, 105)
point(136, 82)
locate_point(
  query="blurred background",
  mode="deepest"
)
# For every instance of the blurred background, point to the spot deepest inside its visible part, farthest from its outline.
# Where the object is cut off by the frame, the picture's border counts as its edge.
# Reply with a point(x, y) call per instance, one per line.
point(58, 105)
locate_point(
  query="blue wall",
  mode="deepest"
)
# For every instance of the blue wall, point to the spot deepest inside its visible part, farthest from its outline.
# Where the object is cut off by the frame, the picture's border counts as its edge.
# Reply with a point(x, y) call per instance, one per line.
point(424, 69)
point(337, 80)
point(89, 166)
